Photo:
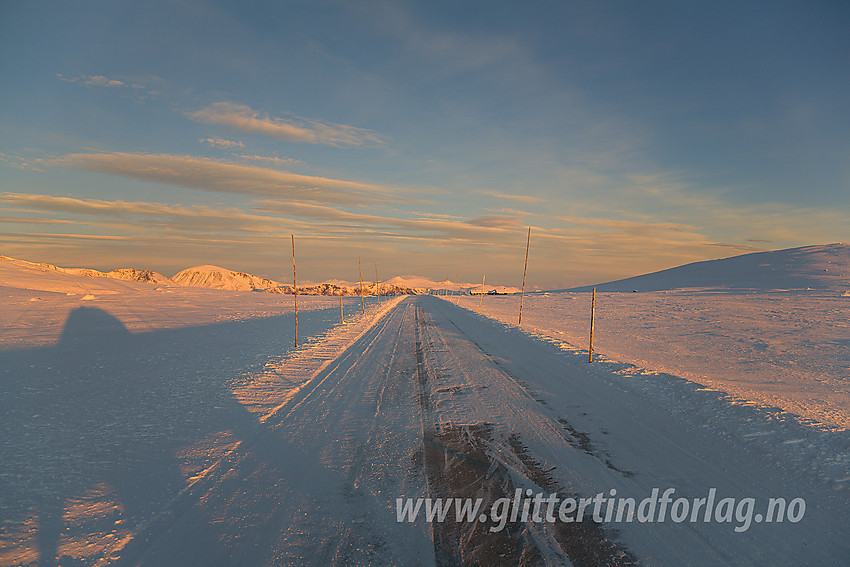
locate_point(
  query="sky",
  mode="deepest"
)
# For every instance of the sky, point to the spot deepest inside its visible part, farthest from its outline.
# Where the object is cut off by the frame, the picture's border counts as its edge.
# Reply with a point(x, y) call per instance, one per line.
point(426, 137)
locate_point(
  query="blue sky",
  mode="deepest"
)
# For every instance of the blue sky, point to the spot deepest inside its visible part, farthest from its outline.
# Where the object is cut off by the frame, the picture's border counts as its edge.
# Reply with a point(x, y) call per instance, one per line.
point(426, 136)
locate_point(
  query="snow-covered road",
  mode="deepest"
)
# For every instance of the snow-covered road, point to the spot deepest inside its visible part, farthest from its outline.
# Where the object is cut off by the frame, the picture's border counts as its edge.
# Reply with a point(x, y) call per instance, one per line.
point(425, 399)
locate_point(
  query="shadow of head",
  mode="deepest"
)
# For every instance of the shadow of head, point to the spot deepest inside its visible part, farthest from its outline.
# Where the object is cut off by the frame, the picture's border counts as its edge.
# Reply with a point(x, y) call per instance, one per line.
point(92, 326)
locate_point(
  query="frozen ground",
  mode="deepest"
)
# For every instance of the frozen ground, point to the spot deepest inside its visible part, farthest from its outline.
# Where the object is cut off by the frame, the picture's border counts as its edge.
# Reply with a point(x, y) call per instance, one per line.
point(788, 349)
point(153, 427)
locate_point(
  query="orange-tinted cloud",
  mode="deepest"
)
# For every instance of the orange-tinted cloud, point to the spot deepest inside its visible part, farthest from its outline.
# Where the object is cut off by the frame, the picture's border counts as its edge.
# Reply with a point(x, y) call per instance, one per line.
point(224, 177)
point(242, 118)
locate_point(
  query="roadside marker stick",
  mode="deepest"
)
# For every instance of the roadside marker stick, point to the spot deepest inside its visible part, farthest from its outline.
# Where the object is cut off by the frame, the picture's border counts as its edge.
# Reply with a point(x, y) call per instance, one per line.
point(480, 297)
point(294, 289)
point(524, 270)
point(592, 316)
point(341, 319)
point(362, 301)
point(377, 289)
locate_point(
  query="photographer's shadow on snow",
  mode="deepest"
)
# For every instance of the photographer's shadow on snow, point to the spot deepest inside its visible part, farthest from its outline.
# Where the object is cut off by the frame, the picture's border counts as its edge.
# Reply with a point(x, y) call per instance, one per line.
point(108, 409)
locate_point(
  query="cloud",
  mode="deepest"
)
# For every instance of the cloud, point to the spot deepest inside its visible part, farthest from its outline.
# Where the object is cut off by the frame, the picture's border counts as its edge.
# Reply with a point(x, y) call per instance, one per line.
point(631, 227)
point(179, 235)
point(495, 221)
point(34, 220)
point(513, 212)
point(137, 88)
point(94, 81)
point(519, 198)
point(224, 177)
point(222, 143)
point(439, 216)
point(267, 216)
point(494, 232)
point(171, 217)
point(243, 118)
point(270, 159)
point(594, 248)
point(717, 214)
point(440, 53)
point(101, 81)
point(62, 237)
point(19, 161)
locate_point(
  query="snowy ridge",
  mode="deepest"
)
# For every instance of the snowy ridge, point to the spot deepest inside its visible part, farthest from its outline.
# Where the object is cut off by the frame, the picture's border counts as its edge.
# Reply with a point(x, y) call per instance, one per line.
point(20, 274)
point(129, 274)
point(824, 267)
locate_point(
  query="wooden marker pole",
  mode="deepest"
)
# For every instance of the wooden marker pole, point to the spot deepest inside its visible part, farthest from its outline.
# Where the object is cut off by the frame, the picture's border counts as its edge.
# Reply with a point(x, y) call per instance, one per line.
point(592, 317)
point(341, 319)
point(480, 297)
point(360, 271)
point(294, 289)
point(377, 289)
point(524, 270)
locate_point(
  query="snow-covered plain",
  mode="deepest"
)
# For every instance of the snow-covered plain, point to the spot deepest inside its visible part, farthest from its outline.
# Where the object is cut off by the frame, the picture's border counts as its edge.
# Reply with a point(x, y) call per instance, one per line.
point(38, 301)
point(147, 425)
point(771, 328)
point(789, 349)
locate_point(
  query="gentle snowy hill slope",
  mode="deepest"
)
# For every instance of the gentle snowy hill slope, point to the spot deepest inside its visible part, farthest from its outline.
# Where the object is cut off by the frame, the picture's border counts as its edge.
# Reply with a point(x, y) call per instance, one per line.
point(825, 267)
point(47, 277)
point(21, 274)
point(221, 278)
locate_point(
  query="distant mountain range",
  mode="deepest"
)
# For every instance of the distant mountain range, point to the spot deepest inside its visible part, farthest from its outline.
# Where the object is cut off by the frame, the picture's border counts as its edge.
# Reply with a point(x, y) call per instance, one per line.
point(24, 274)
point(825, 267)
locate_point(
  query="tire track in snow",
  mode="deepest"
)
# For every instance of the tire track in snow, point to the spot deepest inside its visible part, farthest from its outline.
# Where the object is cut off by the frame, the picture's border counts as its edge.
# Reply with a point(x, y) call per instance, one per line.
point(557, 424)
point(457, 466)
point(460, 462)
